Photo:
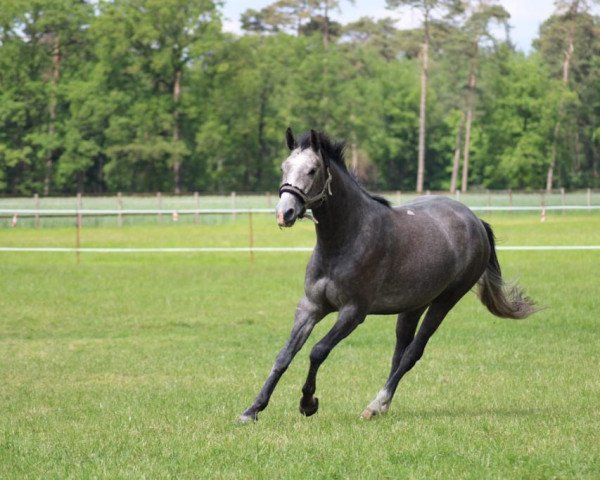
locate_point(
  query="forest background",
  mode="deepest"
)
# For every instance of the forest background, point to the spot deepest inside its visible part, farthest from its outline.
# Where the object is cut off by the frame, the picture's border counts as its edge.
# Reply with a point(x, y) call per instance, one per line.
point(153, 95)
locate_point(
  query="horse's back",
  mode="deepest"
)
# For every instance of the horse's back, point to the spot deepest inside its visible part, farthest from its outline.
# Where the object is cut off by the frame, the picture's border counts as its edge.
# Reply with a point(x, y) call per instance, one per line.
point(438, 245)
point(436, 216)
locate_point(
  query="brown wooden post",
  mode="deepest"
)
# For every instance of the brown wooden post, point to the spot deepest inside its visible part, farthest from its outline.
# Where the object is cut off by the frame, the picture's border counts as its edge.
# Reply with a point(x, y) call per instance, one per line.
point(197, 203)
point(78, 223)
point(589, 197)
point(159, 203)
point(251, 236)
point(543, 206)
point(36, 205)
point(120, 208)
point(233, 206)
point(510, 199)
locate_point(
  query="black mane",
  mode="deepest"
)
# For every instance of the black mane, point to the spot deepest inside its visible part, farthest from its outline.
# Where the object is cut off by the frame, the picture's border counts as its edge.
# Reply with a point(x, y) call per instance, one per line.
point(335, 152)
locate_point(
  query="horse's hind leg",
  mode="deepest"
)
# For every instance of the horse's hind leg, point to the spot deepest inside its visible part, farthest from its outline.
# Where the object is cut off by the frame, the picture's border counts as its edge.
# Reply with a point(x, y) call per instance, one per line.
point(406, 325)
point(349, 318)
point(410, 356)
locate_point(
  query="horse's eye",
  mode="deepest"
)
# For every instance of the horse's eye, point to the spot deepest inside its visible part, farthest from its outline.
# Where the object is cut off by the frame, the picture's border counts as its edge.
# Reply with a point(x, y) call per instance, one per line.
point(312, 171)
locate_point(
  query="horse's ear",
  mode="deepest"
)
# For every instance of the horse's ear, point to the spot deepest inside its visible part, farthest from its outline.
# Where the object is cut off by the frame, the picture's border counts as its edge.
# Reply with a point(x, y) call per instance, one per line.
point(315, 144)
point(290, 140)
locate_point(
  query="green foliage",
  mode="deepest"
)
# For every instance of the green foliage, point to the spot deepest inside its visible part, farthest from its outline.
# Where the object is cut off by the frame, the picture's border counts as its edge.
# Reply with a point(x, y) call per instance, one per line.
point(145, 95)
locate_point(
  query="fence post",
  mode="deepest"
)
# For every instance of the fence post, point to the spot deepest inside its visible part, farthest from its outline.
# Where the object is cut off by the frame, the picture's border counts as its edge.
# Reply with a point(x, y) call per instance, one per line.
point(457, 195)
point(510, 200)
point(251, 236)
point(562, 198)
point(36, 205)
point(159, 202)
point(589, 198)
point(543, 207)
point(233, 206)
point(78, 223)
point(268, 194)
point(120, 208)
point(197, 203)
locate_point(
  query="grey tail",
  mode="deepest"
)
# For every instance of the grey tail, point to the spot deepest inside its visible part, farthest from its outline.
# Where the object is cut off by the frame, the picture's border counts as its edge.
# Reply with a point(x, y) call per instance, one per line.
point(506, 301)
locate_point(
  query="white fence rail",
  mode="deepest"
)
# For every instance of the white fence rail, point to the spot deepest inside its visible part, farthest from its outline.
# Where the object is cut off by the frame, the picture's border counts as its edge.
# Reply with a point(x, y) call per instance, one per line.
point(63, 212)
point(512, 248)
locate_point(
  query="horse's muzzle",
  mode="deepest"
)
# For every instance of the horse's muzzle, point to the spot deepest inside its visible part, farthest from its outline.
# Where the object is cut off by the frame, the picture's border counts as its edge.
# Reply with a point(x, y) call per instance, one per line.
point(289, 209)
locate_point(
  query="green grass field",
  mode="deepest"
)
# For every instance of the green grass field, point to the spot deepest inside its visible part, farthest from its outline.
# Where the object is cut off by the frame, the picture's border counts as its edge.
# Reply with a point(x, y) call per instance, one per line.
point(137, 365)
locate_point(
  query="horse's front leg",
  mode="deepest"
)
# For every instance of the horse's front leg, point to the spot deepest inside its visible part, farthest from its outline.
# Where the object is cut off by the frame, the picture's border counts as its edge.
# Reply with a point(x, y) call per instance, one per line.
point(307, 316)
point(349, 318)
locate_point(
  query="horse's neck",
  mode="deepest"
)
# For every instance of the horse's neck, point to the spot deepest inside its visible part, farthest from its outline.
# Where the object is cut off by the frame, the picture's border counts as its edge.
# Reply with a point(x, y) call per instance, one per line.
point(339, 216)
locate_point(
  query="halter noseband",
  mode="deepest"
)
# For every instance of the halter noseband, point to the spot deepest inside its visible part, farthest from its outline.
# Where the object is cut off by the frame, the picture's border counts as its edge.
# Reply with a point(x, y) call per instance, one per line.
point(309, 202)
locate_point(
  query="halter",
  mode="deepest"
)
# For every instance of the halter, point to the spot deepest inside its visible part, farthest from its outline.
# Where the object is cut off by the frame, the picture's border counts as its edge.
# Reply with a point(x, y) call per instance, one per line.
point(309, 202)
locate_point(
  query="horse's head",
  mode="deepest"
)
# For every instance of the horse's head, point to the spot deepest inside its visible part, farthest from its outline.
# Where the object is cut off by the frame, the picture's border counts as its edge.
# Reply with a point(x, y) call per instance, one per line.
point(305, 181)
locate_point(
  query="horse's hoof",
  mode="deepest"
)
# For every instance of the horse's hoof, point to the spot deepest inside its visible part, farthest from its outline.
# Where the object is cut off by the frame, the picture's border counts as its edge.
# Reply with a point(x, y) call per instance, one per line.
point(309, 407)
point(367, 414)
point(247, 418)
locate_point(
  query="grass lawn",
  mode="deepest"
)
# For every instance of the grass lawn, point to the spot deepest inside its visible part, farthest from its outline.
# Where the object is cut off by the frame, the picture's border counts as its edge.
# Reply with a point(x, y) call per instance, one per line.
point(137, 365)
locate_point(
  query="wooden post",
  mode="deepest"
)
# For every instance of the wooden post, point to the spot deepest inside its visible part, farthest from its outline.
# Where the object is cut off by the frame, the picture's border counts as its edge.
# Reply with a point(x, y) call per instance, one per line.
point(457, 195)
point(159, 203)
point(251, 236)
point(233, 206)
point(120, 208)
point(36, 205)
point(543, 207)
point(268, 194)
point(589, 198)
point(398, 197)
point(562, 198)
point(197, 203)
point(510, 200)
point(78, 225)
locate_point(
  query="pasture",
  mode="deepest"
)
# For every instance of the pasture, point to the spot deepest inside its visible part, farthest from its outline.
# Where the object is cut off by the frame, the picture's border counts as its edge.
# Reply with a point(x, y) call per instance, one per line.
point(137, 365)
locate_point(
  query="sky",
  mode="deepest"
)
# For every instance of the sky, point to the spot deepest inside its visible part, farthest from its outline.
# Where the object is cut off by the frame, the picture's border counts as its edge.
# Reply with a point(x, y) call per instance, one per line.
point(526, 15)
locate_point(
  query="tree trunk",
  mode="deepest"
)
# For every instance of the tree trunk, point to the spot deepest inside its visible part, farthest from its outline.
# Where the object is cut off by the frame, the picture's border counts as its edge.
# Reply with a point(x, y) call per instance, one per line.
point(55, 78)
point(456, 159)
point(550, 173)
point(565, 78)
point(422, 109)
point(469, 121)
point(263, 152)
point(326, 33)
point(176, 133)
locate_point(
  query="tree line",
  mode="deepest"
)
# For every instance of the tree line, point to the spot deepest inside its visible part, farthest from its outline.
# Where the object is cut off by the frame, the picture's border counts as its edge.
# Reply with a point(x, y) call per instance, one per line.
point(153, 95)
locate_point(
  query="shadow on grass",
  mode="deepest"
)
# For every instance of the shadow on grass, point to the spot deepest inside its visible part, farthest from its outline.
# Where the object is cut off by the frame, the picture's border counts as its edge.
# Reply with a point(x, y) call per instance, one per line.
point(463, 412)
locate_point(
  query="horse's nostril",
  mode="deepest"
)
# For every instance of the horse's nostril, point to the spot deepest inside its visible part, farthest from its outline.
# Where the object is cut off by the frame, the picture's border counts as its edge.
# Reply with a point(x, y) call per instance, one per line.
point(288, 215)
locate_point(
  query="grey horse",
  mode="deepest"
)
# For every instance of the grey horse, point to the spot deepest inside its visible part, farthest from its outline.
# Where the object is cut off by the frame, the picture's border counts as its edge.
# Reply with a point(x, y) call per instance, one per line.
point(373, 259)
